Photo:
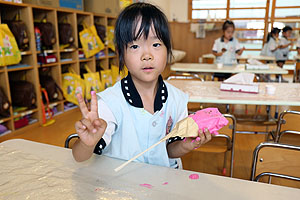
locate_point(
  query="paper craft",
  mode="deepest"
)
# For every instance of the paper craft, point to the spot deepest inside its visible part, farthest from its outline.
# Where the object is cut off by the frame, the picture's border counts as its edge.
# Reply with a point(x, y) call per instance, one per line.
point(209, 118)
point(241, 82)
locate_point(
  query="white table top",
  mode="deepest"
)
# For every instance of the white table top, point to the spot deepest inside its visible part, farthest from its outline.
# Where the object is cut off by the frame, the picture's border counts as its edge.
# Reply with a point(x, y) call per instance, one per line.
point(32, 170)
point(213, 68)
point(209, 92)
point(244, 57)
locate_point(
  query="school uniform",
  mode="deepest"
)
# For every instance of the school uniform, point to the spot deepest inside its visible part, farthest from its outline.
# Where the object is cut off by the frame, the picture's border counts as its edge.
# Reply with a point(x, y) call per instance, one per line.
point(232, 48)
point(298, 44)
point(131, 129)
point(281, 55)
point(269, 47)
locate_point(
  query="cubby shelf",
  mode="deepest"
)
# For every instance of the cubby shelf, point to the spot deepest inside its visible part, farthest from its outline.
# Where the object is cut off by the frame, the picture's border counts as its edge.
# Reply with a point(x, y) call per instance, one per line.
point(30, 69)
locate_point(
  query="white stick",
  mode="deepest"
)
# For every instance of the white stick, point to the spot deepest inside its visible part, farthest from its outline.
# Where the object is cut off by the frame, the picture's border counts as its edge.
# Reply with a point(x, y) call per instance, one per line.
point(135, 157)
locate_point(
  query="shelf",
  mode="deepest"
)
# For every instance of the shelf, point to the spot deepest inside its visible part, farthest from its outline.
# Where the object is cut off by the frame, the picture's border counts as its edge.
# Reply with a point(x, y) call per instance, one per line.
point(112, 56)
point(67, 50)
point(18, 68)
point(101, 58)
point(48, 65)
point(53, 104)
point(1, 70)
point(68, 62)
point(86, 60)
point(4, 119)
point(47, 51)
point(24, 53)
point(28, 112)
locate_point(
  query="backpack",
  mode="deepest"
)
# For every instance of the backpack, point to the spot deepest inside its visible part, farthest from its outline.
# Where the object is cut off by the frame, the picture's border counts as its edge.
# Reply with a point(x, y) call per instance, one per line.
point(23, 94)
point(101, 31)
point(65, 33)
point(51, 87)
point(4, 104)
point(19, 30)
point(47, 34)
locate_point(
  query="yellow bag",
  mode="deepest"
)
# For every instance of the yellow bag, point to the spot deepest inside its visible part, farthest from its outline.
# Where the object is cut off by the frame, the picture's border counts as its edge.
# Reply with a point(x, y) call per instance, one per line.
point(92, 82)
point(72, 84)
point(110, 37)
point(106, 78)
point(9, 51)
point(90, 41)
point(116, 75)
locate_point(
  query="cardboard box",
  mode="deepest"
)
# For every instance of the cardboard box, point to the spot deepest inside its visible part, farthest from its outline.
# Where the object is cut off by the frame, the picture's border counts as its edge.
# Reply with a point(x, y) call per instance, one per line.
point(50, 3)
point(111, 7)
point(73, 4)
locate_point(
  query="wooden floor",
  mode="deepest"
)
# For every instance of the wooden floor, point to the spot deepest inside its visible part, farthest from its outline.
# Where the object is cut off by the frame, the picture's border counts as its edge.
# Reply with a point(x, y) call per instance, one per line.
point(207, 162)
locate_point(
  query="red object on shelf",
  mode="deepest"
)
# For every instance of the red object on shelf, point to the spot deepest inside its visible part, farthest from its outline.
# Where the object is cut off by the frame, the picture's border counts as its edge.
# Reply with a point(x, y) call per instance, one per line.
point(47, 59)
point(21, 123)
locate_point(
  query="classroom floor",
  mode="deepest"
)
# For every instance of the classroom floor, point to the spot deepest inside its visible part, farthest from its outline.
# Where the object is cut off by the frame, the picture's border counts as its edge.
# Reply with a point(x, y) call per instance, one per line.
point(207, 162)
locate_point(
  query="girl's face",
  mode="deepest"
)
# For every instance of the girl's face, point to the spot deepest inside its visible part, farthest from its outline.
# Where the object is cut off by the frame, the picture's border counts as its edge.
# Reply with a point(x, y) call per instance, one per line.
point(287, 33)
point(228, 33)
point(276, 35)
point(146, 59)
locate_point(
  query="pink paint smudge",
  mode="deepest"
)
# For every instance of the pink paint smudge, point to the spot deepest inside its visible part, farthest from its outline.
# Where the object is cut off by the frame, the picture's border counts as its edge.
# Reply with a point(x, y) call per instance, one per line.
point(146, 185)
point(194, 176)
point(165, 183)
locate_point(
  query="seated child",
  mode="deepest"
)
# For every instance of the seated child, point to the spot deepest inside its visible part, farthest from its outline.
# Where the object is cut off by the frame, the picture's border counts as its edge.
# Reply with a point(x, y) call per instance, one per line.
point(141, 109)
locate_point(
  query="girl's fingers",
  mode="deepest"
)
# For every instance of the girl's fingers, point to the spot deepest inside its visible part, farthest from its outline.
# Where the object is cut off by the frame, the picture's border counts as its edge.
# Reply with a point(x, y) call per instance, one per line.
point(202, 136)
point(94, 103)
point(207, 134)
point(79, 127)
point(83, 108)
point(88, 124)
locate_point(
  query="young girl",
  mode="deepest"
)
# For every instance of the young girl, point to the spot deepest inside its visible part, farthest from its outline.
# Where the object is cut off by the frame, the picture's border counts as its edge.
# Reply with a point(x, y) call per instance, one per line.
point(140, 109)
point(226, 47)
point(271, 44)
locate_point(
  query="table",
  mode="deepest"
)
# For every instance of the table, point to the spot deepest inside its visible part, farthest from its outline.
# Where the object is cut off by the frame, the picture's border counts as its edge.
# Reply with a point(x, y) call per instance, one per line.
point(31, 170)
point(213, 68)
point(244, 58)
point(286, 94)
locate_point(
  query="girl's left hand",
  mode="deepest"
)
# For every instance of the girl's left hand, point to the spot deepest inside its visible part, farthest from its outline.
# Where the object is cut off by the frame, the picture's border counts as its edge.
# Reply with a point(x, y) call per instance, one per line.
point(194, 143)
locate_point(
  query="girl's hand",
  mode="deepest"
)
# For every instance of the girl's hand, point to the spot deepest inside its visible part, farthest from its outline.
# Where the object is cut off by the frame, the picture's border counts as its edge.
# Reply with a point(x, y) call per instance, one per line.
point(194, 143)
point(90, 128)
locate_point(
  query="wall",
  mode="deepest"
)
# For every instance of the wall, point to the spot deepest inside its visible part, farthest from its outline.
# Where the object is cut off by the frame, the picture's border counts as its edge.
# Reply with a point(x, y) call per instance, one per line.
point(173, 9)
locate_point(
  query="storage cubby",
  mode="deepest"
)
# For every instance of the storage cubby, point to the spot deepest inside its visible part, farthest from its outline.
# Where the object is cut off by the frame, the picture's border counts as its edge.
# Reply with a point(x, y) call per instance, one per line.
point(31, 66)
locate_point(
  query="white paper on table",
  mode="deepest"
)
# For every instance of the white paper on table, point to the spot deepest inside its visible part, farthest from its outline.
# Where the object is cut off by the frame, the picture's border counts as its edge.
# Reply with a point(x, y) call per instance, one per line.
point(255, 64)
point(241, 82)
point(241, 78)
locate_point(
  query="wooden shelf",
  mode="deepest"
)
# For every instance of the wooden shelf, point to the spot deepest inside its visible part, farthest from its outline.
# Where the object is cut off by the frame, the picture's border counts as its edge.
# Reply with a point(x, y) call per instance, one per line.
point(24, 113)
point(112, 56)
point(67, 50)
point(30, 65)
point(2, 120)
point(19, 68)
point(86, 60)
point(24, 53)
point(69, 62)
point(49, 65)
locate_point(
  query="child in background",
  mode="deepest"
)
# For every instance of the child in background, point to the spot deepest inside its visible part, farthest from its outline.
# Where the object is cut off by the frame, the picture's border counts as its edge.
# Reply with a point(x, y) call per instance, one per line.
point(226, 48)
point(141, 109)
point(282, 53)
point(271, 44)
point(298, 46)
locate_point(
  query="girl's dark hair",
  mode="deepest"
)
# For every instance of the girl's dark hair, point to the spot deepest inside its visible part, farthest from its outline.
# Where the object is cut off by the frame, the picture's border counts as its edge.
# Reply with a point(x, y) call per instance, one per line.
point(274, 31)
point(228, 24)
point(287, 28)
point(126, 26)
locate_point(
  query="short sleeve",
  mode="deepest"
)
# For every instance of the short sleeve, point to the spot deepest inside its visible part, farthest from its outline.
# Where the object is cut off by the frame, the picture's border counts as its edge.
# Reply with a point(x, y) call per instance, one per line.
point(216, 46)
point(237, 45)
point(105, 114)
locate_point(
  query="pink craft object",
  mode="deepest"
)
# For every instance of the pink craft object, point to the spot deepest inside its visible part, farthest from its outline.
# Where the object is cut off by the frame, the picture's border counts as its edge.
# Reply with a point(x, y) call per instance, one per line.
point(209, 118)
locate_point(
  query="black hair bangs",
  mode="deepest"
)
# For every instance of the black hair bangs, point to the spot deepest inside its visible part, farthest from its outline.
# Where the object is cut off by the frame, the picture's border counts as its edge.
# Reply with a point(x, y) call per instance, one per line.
point(128, 21)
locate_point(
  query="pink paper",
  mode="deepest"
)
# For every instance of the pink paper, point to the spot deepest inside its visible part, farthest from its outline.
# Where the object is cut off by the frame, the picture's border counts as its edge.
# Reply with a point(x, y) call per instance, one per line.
point(209, 118)
point(146, 185)
point(165, 183)
point(194, 176)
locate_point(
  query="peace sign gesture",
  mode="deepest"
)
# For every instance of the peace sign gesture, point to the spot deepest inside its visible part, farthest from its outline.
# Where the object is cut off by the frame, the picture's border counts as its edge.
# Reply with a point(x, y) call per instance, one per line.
point(90, 128)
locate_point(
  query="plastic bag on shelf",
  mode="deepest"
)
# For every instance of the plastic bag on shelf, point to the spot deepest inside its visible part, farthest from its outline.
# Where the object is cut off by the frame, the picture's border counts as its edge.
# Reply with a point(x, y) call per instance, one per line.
point(92, 82)
point(9, 51)
point(72, 84)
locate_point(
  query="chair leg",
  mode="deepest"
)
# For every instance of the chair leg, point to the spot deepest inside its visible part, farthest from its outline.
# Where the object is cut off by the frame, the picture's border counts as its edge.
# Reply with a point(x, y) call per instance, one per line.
point(225, 164)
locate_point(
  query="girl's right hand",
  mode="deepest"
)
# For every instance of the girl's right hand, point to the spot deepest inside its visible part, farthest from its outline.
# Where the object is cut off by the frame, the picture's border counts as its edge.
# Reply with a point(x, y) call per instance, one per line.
point(90, 128)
